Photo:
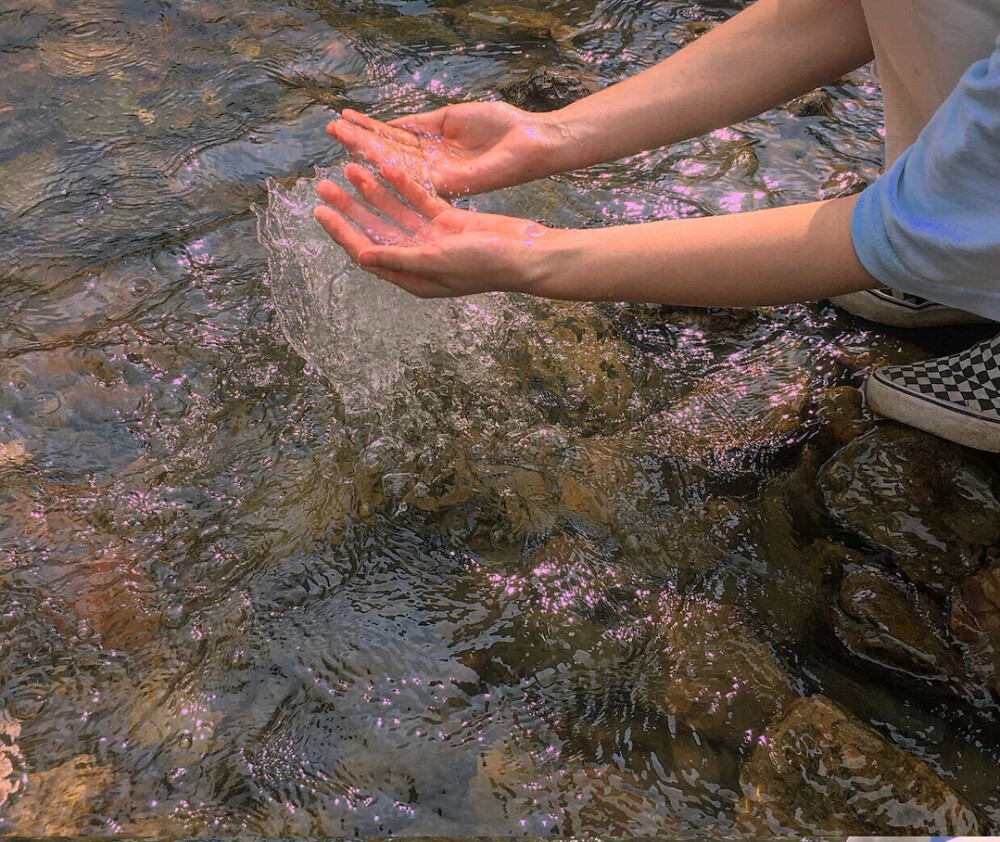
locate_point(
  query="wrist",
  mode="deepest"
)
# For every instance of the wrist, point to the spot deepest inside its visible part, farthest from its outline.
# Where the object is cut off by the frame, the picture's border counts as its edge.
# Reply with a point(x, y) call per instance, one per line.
point(573, 138)
point(554, 144)
point(553, 267)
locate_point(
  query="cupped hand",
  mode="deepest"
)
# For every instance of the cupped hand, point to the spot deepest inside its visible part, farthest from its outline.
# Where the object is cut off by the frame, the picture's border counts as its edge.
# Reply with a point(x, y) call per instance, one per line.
point(459, 149)
point(416, 240)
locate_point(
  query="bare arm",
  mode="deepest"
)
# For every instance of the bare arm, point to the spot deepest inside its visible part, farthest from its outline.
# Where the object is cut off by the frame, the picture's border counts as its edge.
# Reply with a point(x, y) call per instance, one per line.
point(773, 256)
point(767, 54)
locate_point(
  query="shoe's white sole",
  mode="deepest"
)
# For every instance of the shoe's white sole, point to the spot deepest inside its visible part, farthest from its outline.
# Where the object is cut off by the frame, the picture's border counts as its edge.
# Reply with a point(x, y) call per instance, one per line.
point(898, 313)
point(946, 420)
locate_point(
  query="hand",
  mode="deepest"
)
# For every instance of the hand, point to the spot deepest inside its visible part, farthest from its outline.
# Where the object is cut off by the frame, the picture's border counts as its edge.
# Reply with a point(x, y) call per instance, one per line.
point(424, 245)
point(459, 149)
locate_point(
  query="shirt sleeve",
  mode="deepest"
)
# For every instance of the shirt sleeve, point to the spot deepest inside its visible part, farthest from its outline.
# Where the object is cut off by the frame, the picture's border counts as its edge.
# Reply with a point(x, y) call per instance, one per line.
point(930, 226)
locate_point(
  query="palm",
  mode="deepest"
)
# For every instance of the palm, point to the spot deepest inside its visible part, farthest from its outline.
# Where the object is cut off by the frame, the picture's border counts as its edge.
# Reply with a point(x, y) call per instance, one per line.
point(459, 149)
point(439, 250)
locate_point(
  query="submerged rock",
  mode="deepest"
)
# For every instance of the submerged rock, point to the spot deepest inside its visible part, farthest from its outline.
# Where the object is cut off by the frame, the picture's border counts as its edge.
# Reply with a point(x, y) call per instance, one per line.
point(575, 799)
point(12, 774)
point(546, 90)
point(929, 504)
point(486, 20)
point(840, 408)
point(817, 103)
point(975, 620)
point(842, 182)
point(61, 801)
point(706, 668)
point(892, 624)
point(692, 30)
point(740, 415)
point(822, 771)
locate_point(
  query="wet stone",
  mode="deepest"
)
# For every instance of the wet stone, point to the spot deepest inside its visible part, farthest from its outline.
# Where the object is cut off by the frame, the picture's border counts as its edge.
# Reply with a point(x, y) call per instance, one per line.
point(546, 90)
point(814, 104)
point(890, 623)
point(576, 799)
point(841, 410)
point(12, 773)
point(822, 771)
point(487, 20)
point(60, 801)
point(706, 668)
point(928, 504)
point(692, 30)
point(741, 415)
point(842, 182)
point(975, 620)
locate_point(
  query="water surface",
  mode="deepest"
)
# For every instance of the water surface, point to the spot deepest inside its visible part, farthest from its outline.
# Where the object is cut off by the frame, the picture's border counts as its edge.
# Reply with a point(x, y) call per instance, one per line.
point(284, 552)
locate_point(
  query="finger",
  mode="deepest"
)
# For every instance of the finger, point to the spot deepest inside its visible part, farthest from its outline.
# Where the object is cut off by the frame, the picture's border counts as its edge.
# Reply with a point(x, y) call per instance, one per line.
point(383, 199)
point(374, 226)
point(380, 129)
point(361, 142)
point(343, 232)
point(426, 202)
point(424, 123)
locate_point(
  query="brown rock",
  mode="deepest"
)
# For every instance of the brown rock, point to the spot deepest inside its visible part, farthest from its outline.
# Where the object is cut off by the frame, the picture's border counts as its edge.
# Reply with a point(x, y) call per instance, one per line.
point(12, 774)
point(706, 668)
point(975, 620)
point(843, 182)
point(892, 624)
point(926, 502)
point(822, 771)
point(486, 20)
point(840, 407)
point(575, 800)
point(690, 31)
point(58, 801)
point(546, 90)
point(813, 104)
point(741, 413)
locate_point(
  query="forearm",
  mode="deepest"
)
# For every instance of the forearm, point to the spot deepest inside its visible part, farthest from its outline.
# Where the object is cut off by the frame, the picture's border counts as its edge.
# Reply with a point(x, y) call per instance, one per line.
point(767, 54)
point(775, 256)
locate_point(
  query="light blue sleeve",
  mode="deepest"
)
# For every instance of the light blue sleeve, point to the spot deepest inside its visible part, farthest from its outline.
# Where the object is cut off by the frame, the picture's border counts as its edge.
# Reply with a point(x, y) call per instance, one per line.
point(930, 226)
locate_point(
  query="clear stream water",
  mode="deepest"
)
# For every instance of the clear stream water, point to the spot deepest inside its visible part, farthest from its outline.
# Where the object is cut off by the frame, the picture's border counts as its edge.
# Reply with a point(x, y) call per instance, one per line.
point(285, 552)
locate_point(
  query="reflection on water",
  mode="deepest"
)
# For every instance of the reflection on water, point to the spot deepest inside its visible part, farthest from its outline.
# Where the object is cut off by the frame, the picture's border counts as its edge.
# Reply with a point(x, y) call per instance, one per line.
point(284, 552)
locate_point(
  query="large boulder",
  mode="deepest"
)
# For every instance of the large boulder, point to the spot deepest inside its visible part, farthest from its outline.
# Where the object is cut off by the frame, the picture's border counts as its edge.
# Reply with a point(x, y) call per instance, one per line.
point(822, 771)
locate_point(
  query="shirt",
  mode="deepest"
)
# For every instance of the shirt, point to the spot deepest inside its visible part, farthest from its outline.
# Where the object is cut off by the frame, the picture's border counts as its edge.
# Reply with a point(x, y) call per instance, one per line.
point(930, 226)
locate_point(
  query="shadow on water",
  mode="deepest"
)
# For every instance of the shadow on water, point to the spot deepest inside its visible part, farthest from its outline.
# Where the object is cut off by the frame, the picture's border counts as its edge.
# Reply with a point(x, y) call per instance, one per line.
point(285, 553)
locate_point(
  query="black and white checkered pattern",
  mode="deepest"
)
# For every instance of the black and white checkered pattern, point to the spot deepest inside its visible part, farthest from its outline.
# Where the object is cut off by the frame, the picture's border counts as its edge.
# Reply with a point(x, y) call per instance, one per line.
point(969, 381)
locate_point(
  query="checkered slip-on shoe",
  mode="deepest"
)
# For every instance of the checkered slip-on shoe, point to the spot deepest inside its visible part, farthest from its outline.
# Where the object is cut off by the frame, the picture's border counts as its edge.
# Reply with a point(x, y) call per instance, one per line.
point(956, 397)
point(898, 309)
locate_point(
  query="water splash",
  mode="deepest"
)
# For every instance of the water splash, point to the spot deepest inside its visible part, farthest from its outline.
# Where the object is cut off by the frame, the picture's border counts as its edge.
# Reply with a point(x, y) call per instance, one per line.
point(370, 339)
